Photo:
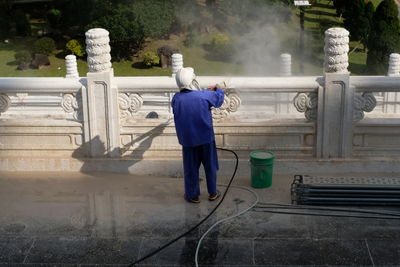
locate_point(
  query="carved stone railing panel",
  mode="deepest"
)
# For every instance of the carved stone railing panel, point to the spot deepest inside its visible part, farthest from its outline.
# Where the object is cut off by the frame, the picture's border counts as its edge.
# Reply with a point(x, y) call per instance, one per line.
point(231, 104)
point(365, 102)
point(129, 104)
point(71, 103)
point(5, 103)
point(307, 103)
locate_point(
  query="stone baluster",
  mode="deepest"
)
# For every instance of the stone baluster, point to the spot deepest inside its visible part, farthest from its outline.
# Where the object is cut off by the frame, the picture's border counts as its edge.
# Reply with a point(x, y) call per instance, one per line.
point(394, 65)
point(282, 100)
point(389, 98)
point(100, 98)
point(285, 65)
point(177, 63)
point(71, 67)
point(72, 103)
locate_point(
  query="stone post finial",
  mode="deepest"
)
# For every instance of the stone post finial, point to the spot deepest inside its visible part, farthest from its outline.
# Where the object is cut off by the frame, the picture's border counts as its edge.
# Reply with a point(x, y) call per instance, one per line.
point(71, 67)
point(285, 65)
point(98, 50)
point(336, 49)
point(177, 63)
point(394, 65)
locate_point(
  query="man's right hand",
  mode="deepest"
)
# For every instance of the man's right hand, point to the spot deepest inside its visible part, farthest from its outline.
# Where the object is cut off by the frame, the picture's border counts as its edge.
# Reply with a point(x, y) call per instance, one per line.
point(213, 88)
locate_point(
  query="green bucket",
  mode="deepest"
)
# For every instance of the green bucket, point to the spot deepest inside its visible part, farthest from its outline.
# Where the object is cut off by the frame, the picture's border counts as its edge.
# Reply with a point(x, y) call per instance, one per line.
point(261, 163)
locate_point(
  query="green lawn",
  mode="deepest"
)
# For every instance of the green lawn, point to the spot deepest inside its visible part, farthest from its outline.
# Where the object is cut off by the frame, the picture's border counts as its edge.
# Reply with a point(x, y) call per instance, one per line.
point(318, 18)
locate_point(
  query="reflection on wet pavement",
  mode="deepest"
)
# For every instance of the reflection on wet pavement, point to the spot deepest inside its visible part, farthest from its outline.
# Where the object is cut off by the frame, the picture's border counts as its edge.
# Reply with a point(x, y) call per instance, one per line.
point(111, 219)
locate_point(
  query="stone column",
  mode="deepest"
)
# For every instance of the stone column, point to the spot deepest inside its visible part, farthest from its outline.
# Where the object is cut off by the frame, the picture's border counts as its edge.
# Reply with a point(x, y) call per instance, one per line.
point(71, 67)
point(100, 99)
point(177, 63)
point(335, 99)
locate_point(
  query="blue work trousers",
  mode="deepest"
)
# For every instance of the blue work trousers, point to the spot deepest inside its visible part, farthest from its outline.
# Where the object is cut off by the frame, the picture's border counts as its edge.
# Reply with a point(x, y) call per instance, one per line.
point(192, 158)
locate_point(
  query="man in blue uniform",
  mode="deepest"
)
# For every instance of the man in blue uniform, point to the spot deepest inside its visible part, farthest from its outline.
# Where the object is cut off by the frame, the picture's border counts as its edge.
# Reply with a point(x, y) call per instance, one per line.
point(194, 128)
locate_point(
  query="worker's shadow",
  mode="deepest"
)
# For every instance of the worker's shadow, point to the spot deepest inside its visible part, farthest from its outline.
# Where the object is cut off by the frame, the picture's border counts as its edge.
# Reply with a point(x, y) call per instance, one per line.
point(144, 142)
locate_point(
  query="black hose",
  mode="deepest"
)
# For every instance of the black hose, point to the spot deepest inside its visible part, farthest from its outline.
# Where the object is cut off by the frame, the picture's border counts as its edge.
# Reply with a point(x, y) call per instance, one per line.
point(199, 223)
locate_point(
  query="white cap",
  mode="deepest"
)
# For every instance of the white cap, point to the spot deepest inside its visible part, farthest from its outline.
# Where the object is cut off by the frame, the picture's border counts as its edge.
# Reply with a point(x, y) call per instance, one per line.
point(184, 77)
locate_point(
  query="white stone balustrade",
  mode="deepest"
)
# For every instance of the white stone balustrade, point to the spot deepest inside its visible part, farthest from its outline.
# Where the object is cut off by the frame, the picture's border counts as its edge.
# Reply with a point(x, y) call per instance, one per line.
point(105, 116)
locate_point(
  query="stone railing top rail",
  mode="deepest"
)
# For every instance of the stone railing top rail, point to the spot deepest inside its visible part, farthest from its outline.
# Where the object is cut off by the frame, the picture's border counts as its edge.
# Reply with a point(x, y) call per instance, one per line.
point(256, 84)
point(376, 83)
point(40, 85)
point(153, 84)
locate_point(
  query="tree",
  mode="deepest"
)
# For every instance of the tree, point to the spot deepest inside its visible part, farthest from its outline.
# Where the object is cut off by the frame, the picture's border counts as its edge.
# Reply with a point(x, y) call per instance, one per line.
point(77, 14)
point(383, 38)
point(155, 16)
point(54, 17)
point(188, 16)
point(358, 19)
point(340, 6)
point(129, 23)
point(126, 32)
point(22, 25)
point(5, 19)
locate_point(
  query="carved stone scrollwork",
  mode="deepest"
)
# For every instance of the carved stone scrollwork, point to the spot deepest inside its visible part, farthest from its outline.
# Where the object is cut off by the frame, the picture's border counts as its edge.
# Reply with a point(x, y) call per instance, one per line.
point(70, 103)
point(231, 104)
point(5, 103)
point(307, 103)
point(365, 102)
point(129, 104)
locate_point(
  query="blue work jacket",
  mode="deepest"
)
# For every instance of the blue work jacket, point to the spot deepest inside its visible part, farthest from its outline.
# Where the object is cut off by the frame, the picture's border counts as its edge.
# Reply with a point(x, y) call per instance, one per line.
point(192, 115)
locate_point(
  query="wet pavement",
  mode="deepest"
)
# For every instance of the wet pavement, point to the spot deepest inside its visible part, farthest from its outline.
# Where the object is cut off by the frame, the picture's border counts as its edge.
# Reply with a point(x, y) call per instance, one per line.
point(73, 219)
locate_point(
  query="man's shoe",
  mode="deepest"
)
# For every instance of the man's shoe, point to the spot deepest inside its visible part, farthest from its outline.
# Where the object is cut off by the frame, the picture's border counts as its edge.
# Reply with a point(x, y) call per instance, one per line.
point(195, 200)
point(215, 196)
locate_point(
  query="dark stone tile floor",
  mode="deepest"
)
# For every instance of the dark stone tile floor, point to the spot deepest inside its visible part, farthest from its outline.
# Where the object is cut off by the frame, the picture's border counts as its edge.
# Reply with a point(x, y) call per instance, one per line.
point(98, 221)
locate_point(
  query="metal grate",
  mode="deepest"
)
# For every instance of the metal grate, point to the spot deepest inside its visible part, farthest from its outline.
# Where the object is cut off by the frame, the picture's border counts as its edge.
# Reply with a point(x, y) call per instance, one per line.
point(372, 191)
point(351, 180)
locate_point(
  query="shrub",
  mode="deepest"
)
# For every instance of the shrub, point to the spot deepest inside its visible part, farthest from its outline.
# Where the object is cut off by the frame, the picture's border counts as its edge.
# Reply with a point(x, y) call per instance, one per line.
point(75, 47)
point(23, 56)
point(221, 47)
point(44, 45)
point(151, 59)
point(219, 40)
